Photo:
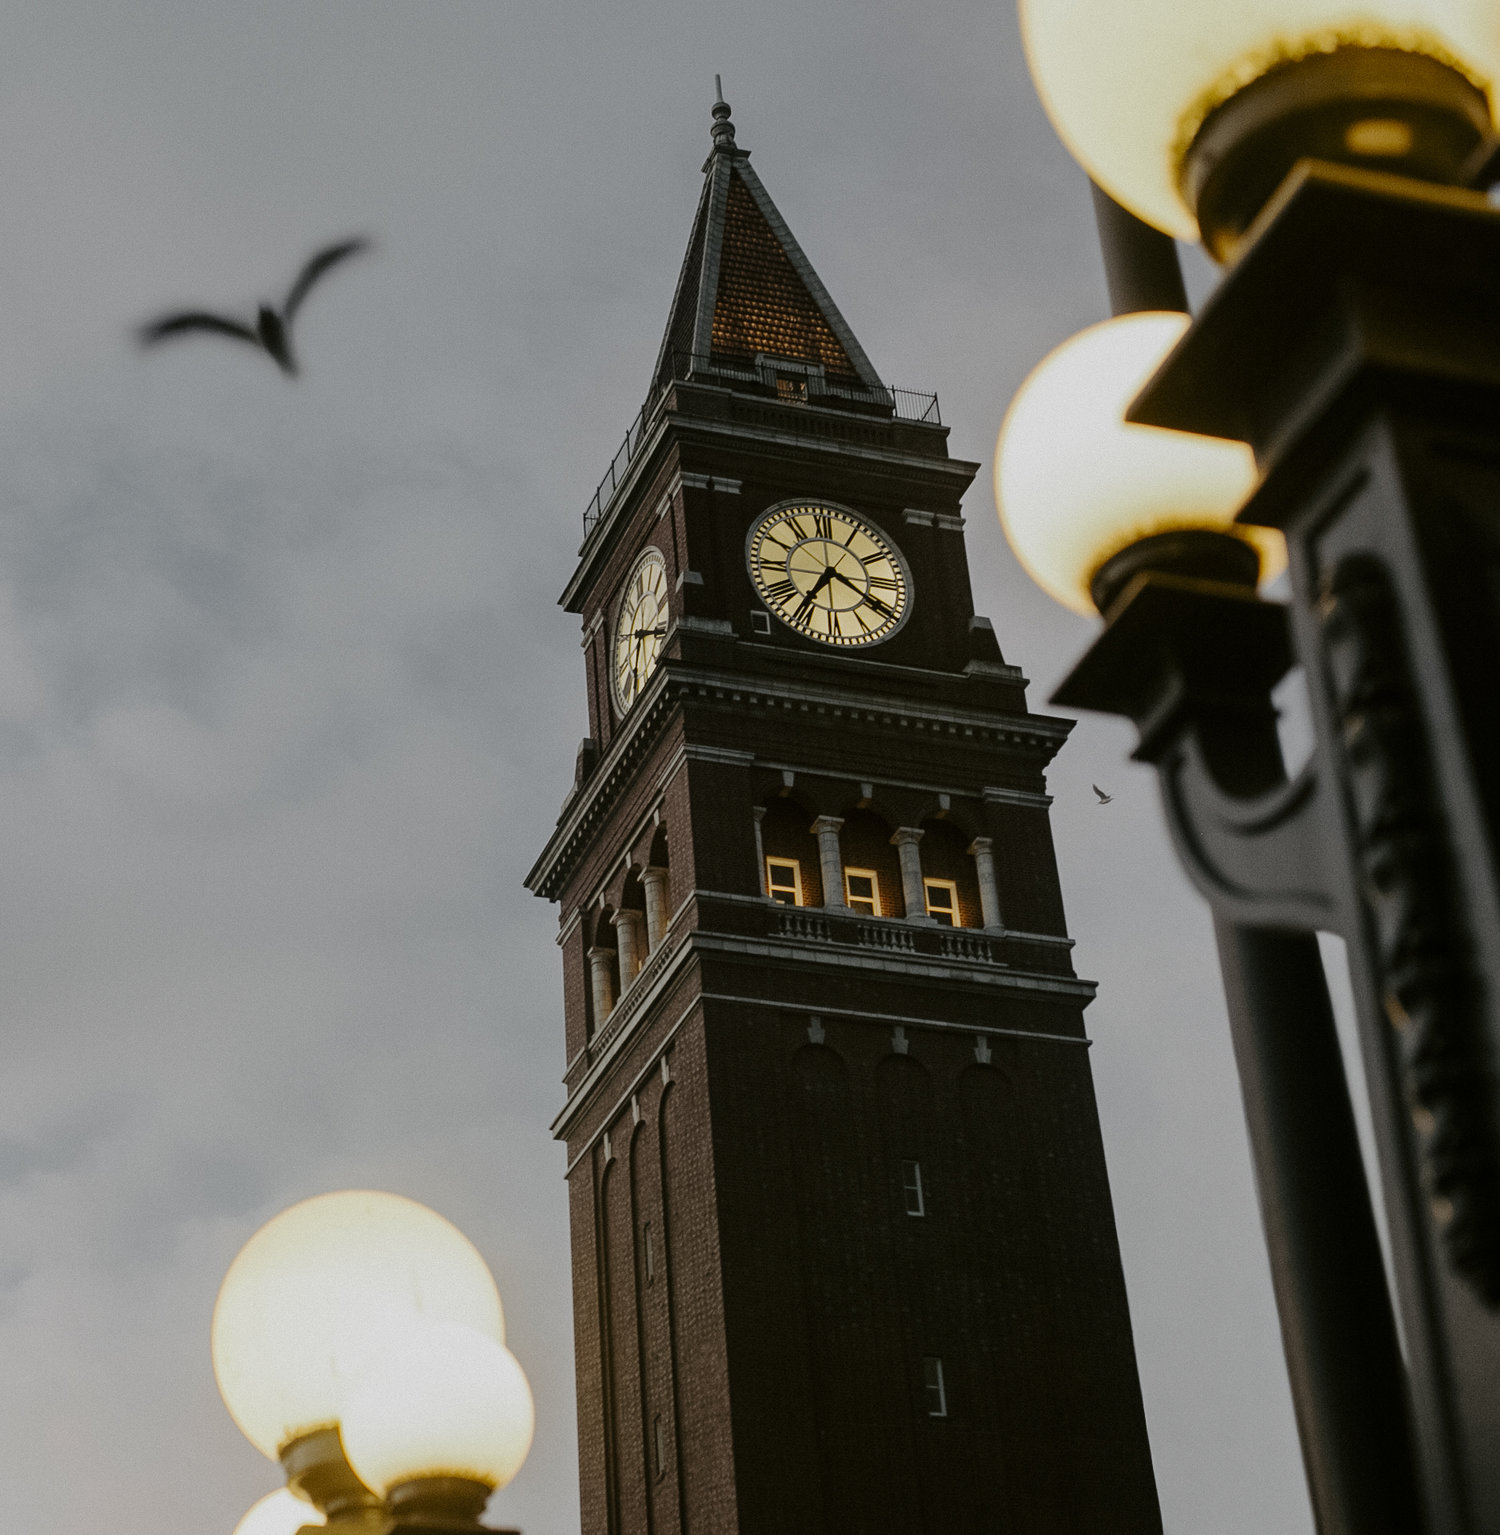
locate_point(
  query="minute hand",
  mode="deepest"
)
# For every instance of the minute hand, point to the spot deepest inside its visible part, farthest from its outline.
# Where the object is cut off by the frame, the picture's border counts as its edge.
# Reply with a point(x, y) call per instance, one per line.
point(866, 595)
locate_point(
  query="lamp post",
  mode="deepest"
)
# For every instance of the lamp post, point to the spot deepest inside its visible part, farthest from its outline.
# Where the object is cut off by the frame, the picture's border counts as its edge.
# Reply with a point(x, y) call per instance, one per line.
point(359, 1340)
point(1328, 156)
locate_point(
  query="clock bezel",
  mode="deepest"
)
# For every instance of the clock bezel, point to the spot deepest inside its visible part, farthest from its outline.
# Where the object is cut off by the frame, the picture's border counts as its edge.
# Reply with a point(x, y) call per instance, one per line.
point(898, 558)
point(621, 706)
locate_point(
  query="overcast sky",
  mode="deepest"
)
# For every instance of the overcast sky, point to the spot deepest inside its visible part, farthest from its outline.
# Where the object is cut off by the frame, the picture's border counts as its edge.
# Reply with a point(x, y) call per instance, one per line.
point(287, 707)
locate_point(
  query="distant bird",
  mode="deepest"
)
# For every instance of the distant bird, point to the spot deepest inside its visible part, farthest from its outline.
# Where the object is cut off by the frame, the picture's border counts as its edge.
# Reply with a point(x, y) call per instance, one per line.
point(272, 330)
point(1104, 798)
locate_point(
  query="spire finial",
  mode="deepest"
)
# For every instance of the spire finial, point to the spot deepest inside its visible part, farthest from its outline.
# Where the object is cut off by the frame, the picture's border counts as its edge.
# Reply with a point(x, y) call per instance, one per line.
point(723, 129)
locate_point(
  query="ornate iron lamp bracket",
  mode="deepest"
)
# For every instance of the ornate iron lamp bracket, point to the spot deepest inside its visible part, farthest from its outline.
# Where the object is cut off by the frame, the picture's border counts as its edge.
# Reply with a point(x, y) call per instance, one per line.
point(1193, 663)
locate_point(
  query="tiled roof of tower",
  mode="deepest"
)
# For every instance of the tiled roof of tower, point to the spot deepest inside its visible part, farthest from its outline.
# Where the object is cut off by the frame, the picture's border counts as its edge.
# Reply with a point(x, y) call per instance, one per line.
point(746, 289)
point(762, 304)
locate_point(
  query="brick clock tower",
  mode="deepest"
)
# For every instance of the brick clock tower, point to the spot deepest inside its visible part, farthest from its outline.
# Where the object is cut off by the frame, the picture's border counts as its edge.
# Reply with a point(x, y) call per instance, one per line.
point(844, 1260)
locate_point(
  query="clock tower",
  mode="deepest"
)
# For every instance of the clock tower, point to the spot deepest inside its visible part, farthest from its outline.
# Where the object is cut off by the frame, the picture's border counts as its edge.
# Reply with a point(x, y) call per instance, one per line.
point(844, 1260)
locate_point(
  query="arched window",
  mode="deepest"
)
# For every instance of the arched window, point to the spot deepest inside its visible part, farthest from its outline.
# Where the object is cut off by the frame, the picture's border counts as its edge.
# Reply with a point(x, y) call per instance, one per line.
point(872, 867)
point(948, 877)
point(604, 969)
point(790, 852)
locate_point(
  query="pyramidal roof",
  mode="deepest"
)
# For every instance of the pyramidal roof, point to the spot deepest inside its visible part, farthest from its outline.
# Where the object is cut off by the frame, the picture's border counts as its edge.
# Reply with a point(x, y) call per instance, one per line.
point(746, 290)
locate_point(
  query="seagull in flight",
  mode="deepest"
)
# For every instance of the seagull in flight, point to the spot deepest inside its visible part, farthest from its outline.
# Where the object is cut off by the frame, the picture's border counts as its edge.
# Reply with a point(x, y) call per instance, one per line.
point(272, 328)
point(1104, 798)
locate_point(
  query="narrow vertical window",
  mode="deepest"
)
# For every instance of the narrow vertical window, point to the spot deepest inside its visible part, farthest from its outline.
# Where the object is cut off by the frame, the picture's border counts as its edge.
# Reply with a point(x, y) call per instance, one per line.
point(911, 1187)
point(650, 1252)
point(862, 891)
point(932, 1385)
point(784, 881)
point(942, 900)
point(658, 1446)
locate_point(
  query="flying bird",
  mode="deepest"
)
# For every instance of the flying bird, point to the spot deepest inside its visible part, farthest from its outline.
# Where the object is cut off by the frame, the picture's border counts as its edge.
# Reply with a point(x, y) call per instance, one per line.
point(1104, 798)
point(272, 328)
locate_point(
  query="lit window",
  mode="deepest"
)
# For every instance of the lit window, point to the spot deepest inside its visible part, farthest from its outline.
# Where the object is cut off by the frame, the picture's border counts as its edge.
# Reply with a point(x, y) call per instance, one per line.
point(942, 900)
point(791, 389)
point(911, 1186)
point(932, 1385)
point(649, 1248)
point(784, 881)
point(862, 891)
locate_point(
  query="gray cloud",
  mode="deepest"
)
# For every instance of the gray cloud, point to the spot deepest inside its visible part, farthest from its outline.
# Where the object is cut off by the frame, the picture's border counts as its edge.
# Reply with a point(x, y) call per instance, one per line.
point(286, 705)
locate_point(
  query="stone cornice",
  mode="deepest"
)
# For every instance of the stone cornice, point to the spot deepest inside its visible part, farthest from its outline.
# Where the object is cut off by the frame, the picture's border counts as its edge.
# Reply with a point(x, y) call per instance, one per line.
point(1034, 735)
point(638, 1005)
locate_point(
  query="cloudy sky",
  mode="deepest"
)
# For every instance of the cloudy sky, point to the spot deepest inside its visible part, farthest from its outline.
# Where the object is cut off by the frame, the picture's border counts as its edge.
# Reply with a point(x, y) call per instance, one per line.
point(287, 707)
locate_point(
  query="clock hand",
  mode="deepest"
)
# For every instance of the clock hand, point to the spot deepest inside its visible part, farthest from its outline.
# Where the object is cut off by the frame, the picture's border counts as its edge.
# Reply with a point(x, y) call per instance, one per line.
point(811, 596)
point(807, 601)
point(866, 595)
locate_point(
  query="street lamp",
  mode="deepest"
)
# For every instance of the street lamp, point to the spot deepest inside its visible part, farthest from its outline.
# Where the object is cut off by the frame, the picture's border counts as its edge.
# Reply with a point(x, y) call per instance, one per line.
point(358, 1339)
point(1332, 157)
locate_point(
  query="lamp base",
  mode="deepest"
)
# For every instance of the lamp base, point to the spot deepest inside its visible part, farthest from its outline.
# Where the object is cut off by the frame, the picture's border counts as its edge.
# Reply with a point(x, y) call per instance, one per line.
point(1198, 553)
point(438, 1505)
point(1383, 109)
point(317, 1469)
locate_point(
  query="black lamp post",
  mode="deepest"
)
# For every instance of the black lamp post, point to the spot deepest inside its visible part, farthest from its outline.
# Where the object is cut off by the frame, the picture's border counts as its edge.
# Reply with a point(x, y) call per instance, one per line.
point(1354, 343)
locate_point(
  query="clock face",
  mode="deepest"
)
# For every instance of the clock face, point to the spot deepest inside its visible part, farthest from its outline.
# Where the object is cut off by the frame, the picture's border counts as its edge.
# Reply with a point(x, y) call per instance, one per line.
point(828, 574)
point(641, 627)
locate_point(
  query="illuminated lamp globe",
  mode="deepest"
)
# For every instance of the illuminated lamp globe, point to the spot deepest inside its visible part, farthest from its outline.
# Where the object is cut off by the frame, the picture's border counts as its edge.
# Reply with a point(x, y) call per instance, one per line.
point(279, 1513)
point(1076, 483)
point(439, 1403)
point(313, 1292)
point(1129, 86)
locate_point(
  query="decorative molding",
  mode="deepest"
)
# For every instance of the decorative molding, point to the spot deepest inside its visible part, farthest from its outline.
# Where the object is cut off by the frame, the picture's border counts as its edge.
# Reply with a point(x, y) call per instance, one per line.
point(895, 961)
point(915, 517)
point(1035, 735)
point(907, 1020)
point(992, 795)
point(688, 624)
point(1421, 952)
point(727, 754)
point(950, 522)
point(576, 1104)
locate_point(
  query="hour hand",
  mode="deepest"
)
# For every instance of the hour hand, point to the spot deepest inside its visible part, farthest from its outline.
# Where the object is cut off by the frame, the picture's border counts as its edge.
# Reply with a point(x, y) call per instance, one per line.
point(807, 601)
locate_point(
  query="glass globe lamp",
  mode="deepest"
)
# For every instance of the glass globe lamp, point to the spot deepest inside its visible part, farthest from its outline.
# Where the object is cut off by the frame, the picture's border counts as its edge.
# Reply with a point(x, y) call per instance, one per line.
point(279, 1513)
point(437, 1421)
point(1192, 112)
point(312, 1293)
point(1077, 485)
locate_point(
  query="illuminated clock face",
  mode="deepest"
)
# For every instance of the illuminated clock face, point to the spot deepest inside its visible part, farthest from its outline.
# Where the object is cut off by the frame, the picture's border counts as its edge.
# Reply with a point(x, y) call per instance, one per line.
point(641, 627)
point(828, 574)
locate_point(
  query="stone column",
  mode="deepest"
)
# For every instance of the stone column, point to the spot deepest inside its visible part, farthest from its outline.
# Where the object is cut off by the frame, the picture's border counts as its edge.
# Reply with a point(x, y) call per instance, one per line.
point(628, 930)
point(654, 883)
point(982, 851)
point(830, 859)
point(602, 984)
point(758, 814)
point(905, 840)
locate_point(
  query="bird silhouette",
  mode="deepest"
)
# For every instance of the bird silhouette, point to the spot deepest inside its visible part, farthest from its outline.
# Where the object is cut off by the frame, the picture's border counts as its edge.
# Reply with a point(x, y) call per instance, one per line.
point(272, 329)
point(1104, 798)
